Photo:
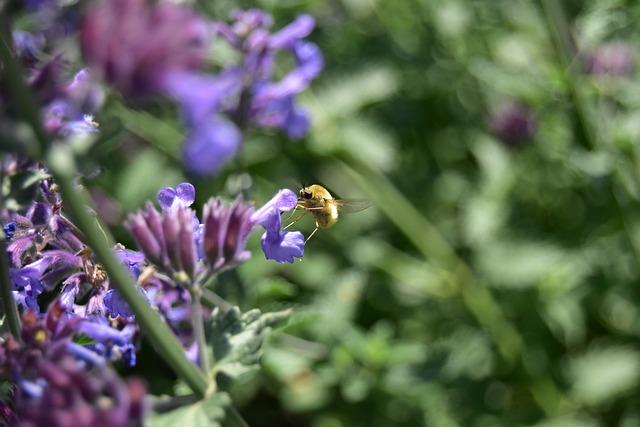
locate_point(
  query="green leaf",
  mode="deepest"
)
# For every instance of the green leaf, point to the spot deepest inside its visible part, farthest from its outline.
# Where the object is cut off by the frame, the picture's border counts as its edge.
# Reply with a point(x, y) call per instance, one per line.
point(159, 133)
point(209, 412)
point(20, 189)
point(604, 373)
point(237, 341)
point(83, 340)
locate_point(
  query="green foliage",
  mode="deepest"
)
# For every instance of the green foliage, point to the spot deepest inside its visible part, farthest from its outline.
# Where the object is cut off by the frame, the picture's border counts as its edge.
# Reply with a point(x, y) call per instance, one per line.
point(208, 412)
point(236, 339)
point(19, 189)
point(488, 285)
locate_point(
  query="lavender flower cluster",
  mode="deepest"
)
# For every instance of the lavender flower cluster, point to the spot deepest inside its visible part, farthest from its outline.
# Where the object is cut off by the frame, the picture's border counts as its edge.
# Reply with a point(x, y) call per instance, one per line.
point(74, 322)
point(48, 257)
point(147, 50)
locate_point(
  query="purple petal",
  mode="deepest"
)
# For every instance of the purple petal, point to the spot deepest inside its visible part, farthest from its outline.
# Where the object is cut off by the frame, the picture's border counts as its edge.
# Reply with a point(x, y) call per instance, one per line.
point(18, 247)
point(116, 305)
point(284, 247)
point(186, 193)
point(68, 294)
point(39, 214)
point(78, 127)
point(309, 62)
point(297, 123)
point(166, 197)
point(199, 95)
point(127, 256)
point(102, 333)
point(210, 146)
point(283, 201)
point(298, 29)
point(84, 354)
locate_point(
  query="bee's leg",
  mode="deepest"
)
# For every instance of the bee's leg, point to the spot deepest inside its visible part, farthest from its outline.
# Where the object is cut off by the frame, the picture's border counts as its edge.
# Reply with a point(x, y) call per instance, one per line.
point(293, 212)
point(295, 220)
point(312, 233)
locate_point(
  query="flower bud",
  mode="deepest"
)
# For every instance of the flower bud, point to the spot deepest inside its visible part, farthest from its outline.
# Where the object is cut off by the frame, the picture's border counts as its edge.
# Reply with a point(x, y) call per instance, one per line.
point(226, 228)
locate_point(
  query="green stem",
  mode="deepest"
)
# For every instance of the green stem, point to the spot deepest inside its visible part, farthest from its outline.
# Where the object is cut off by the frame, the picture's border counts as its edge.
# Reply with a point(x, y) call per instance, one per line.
point(560, 34)
point(63, 168)
point(211, 299)
point(6, 291)
point(23, 99)
point(197, 323)
point(234, 419)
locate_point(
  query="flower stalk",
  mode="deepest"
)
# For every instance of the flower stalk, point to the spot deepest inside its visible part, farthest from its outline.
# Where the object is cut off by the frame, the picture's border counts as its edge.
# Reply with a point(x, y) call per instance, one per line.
point(23, 99)
point(6, 295)
point(197, 322)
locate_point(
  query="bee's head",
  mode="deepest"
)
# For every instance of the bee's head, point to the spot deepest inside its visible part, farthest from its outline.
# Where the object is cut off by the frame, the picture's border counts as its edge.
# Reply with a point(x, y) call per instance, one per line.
point(305, 193)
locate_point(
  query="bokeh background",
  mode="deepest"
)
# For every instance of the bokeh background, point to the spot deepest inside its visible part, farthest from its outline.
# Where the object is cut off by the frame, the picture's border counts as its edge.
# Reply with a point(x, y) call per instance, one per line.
point(494, 281)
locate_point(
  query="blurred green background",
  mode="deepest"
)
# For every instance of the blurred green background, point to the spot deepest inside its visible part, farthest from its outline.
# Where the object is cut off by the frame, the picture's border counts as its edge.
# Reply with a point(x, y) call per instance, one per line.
point(490, 284)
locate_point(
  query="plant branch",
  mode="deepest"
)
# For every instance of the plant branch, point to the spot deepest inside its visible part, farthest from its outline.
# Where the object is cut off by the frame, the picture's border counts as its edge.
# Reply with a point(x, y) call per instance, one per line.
point(197, 323)
point(6, 291)
point(23, 99)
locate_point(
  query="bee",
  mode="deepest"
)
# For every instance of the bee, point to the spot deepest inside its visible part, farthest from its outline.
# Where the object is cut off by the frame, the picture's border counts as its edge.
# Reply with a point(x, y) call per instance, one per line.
point(318, 201)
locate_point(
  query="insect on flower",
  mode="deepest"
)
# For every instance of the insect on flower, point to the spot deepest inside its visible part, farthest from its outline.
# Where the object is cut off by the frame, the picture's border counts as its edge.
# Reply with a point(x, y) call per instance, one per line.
point(325, 209)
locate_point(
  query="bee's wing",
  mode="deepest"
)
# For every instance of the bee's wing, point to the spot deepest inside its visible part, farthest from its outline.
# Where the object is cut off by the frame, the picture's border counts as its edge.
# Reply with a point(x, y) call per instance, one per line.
point(351, 205)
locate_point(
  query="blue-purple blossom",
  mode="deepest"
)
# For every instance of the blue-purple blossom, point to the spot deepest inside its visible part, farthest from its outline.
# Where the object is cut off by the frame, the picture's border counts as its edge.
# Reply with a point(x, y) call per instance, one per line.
point(216, 108)
point(112, 343)
point(513, 123)
point(183, 195)
point(268, 102)
point(28, 46)
point(71, 113)
point(115, 305)
point(58, 382)
point(133, 260)
point(135, 44)
point(281, 246)
point(211, 146)
point(176, 242)
point(226, 229)
point(68, 107)
point(9, 229)
point(212, 140)
point(26, 287)
point(614, 58)
point(168, 239)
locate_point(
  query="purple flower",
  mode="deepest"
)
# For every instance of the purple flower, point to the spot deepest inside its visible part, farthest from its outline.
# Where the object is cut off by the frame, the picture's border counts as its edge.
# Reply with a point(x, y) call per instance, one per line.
point(211, 139)
point(617, 59)
point(133, 260)
point(209, 147)
point(9, 229)
point(28, 46)
point(268, 102)
point(513, 123)
point(247, 93)
point(115, 305)
point(135, 44)
point(183, 195)
point(167, 239)
point(281, 246)
point(27, 287)
point(226, 229)
point(60, 392)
